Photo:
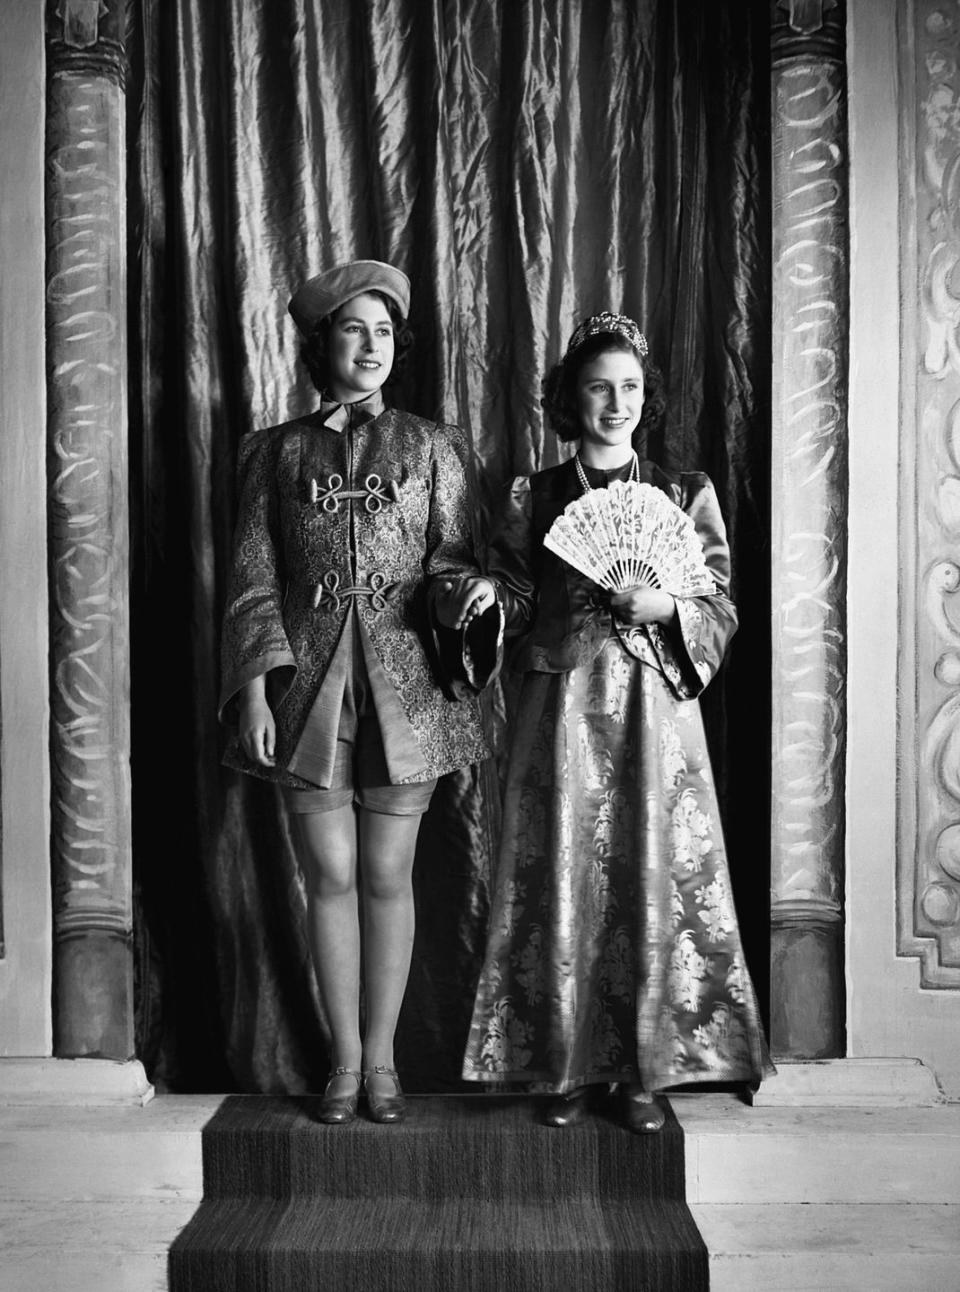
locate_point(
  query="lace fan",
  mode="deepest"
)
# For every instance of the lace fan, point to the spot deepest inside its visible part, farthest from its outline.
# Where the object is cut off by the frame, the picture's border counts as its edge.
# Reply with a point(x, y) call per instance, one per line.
point(630, 534)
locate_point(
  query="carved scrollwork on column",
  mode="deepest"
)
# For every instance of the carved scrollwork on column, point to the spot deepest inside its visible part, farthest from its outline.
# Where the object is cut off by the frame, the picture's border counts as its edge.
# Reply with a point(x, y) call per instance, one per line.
point(87, 530)
point(809, 505)
point(928, 862)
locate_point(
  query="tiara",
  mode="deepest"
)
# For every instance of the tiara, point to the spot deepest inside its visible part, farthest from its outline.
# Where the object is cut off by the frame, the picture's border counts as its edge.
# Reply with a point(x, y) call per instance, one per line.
point(605, 322)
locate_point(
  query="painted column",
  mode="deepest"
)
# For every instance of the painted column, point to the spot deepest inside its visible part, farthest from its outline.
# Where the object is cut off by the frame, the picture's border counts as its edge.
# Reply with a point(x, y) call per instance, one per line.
point(809, 513)
point(87, 521)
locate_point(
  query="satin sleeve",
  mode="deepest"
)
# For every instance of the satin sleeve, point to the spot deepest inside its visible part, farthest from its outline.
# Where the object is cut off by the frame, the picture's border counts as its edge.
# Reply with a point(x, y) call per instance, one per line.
point(510, 556)
point(254, 641)
point(691, 649)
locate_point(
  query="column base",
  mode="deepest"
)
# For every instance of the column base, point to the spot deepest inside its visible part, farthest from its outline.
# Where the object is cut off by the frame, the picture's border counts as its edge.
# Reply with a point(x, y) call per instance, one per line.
point(850, 1083)
point(73, 1081)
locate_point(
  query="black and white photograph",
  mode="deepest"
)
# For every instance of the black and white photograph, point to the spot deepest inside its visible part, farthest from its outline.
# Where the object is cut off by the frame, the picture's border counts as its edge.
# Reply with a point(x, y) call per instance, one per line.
point(480, 646)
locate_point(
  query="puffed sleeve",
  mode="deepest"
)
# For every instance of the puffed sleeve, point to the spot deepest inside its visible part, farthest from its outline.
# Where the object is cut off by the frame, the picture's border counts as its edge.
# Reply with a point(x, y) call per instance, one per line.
point(510, 555)
point(253, 642)
point(691, 649)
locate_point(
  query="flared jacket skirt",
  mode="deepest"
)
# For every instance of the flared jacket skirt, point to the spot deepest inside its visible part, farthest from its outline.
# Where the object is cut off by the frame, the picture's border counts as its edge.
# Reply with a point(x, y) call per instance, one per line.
point(613, 950)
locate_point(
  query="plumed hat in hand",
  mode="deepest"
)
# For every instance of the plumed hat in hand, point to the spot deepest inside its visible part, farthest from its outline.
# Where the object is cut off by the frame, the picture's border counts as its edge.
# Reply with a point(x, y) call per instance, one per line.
point(325, 293)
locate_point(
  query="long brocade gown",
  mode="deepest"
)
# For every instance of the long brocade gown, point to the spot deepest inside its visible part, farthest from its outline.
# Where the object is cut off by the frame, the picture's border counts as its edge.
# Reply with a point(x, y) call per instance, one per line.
point(613, 949)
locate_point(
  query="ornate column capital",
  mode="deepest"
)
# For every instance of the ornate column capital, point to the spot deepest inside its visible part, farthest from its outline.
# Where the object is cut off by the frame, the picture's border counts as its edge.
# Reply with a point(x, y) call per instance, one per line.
point(807, 29)
point(87, 36)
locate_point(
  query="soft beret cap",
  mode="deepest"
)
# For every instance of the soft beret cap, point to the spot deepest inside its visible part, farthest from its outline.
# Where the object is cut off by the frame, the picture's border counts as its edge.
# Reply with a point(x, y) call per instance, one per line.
point(326, 292)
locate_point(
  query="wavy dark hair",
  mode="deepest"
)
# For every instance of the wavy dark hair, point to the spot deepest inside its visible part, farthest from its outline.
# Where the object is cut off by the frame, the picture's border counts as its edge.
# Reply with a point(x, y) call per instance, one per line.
point(313, 351)
point(559, 400)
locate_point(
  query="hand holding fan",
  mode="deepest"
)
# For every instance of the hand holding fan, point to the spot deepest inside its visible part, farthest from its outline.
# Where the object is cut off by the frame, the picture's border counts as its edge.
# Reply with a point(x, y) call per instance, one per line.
point(631, 534)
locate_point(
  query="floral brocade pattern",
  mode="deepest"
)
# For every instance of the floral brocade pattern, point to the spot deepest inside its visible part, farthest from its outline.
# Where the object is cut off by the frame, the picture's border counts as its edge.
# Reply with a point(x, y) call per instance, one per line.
point(614, 950)
point(329, 521)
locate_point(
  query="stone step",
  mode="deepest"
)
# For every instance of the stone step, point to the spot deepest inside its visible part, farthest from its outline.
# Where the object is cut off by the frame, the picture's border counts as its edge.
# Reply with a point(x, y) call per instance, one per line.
point(89, 1246)
point(839, 1247)
point(86, 1153)
point(86, 1247)
point(734, 1153)
point(787, 1199)
point(739, 1154)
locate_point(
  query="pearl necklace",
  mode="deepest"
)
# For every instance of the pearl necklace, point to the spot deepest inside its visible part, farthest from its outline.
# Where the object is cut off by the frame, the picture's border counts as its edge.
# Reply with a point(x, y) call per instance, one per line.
point(585, 484)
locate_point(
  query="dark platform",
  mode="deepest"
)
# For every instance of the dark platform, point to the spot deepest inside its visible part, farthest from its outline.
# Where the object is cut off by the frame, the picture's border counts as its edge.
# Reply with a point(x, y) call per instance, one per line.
point(470, 1192)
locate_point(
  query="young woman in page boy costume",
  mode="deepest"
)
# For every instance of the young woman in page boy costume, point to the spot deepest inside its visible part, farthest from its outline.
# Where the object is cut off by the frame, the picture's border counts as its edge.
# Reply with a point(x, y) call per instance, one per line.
point(353, 531)
point(613, 954)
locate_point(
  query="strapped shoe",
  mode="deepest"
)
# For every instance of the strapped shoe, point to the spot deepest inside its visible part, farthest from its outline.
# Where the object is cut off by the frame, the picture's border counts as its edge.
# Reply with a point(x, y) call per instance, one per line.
point(338, 1110)
point(386, 1109)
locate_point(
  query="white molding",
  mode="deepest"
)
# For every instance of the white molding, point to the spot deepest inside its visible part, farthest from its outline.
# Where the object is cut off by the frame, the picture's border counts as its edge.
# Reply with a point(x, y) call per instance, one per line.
point(888, 1011)
point(850, 1083)
point(84, 1082)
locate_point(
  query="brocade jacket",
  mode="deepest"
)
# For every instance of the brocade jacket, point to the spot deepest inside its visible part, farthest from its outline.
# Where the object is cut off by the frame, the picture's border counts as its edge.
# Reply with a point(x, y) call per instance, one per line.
point(565, 618)
point(344, 518)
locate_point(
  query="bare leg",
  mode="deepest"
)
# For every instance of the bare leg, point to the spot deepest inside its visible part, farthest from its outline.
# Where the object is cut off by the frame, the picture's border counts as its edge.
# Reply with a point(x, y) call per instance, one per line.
point(387, 847)
point(328, 844)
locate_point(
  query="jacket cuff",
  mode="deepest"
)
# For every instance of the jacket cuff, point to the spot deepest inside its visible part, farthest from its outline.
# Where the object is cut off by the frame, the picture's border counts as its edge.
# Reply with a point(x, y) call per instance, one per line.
point(472, 656)
point(238, 678)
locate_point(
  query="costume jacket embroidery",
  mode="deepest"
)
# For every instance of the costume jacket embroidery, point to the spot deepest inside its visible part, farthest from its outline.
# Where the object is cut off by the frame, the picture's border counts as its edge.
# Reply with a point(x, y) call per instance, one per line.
point(566, 625)
point(335, 523)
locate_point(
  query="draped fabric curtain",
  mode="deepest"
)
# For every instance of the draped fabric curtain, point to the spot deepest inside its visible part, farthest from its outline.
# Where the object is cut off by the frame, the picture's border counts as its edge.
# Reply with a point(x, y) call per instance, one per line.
point(527, 162)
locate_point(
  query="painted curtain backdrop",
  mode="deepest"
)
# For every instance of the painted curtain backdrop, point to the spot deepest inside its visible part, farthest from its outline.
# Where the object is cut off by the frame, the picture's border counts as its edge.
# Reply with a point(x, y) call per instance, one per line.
point(526, 162)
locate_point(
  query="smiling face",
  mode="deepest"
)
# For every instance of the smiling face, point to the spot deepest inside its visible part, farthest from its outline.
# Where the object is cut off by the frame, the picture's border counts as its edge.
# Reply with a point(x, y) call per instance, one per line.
point(609, 397)
point(360, 349)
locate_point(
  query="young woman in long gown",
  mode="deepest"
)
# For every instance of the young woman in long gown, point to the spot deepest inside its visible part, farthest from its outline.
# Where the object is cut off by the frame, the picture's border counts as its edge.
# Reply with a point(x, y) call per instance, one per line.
point(352, 523)
point(613, 952)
